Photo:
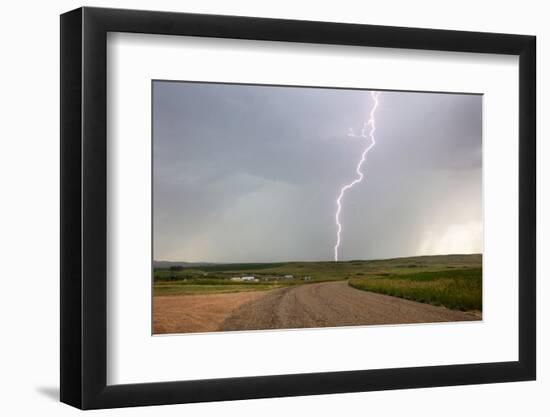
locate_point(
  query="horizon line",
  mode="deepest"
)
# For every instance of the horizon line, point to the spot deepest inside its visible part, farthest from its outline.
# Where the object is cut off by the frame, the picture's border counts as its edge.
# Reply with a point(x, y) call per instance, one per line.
point(332, 261)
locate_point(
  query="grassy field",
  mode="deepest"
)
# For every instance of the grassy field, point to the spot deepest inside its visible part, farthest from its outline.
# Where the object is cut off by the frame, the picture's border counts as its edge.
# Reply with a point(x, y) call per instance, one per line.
point(458, 289)
point(184, 288)
point(453, 282)
point(324, 270)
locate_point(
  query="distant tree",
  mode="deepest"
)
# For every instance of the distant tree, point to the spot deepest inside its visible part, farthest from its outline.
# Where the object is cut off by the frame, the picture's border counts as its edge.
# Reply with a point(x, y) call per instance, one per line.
point(176, 268)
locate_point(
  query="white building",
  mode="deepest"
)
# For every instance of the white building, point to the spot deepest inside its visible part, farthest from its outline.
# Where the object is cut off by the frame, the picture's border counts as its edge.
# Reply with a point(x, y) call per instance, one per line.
point(250, 278)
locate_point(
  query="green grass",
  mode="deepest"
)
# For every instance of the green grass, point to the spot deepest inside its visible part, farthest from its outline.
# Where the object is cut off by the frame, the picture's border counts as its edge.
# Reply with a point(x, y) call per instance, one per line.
point(459, 289)
point(186, 288)
point(214, 278)
point(325, 270)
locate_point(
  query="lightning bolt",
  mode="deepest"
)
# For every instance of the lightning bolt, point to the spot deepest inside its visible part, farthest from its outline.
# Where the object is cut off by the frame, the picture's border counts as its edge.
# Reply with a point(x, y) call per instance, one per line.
point(367, 133)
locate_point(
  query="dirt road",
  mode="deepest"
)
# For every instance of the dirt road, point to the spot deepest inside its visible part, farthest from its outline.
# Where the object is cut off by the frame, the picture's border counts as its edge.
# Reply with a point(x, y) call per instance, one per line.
point(327, 304)
point(332, 304)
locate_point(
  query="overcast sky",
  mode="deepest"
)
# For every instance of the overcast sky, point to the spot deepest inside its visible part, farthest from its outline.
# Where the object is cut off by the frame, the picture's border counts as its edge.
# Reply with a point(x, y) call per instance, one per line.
point(252, 173)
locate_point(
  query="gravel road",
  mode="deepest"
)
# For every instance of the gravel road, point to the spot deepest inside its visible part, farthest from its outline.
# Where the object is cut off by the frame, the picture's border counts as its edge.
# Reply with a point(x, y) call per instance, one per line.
point(332, 304)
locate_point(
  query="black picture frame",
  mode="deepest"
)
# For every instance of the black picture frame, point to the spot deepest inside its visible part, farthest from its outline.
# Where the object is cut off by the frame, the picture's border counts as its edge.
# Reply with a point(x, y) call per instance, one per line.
point(84, 207)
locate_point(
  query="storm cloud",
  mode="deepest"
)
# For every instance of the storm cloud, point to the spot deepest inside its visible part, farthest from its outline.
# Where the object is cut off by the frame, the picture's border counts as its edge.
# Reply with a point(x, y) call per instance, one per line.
point(245, 173)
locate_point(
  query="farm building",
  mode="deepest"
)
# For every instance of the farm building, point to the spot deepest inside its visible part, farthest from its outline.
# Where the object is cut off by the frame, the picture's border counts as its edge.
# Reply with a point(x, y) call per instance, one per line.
point(247, 279)
point(288, 276)
point(250, 278)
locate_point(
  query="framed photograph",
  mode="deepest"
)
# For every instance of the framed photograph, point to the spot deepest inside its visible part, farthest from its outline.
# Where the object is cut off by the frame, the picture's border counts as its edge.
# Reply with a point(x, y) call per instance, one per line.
point(260, 208)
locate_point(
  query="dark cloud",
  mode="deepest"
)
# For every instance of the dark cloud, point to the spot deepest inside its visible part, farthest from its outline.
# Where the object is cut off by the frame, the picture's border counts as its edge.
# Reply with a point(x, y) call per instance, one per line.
point(251, 173)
